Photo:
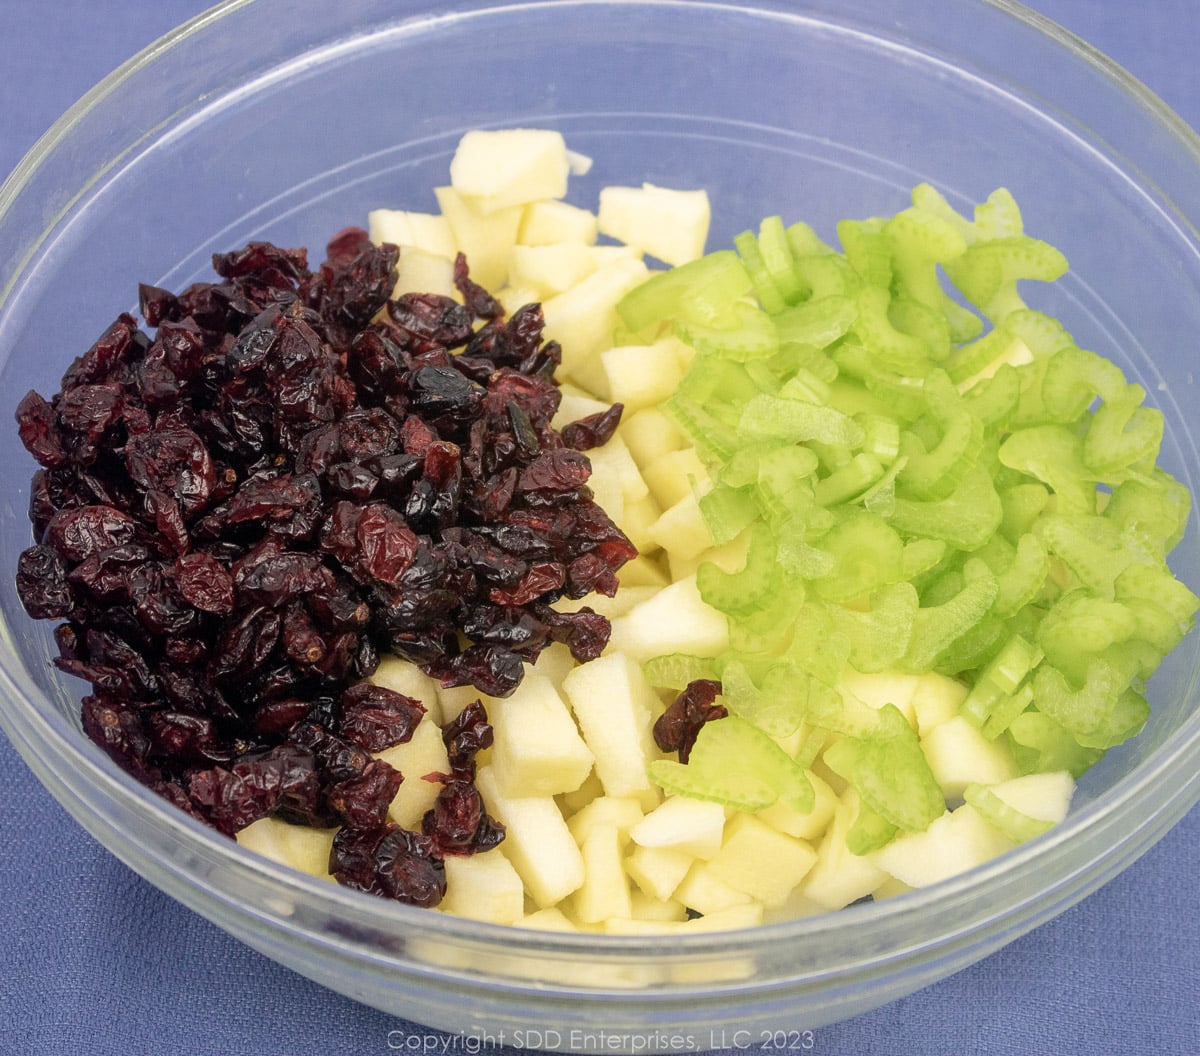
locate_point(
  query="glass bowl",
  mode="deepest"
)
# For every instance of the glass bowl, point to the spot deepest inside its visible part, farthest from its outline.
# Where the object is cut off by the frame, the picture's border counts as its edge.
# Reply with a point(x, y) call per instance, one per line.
point(249, 122)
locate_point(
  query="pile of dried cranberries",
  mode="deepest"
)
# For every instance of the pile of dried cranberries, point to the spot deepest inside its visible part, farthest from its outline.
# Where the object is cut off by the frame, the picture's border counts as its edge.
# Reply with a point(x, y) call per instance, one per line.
point(235, 517)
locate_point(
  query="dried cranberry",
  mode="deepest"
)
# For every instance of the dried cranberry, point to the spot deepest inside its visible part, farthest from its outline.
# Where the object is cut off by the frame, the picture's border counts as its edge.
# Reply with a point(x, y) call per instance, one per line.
point(678, 726)
point(375, 717)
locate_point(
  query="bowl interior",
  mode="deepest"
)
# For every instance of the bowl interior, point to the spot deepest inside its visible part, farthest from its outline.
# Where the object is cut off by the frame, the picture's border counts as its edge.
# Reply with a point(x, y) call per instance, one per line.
point(815, 111)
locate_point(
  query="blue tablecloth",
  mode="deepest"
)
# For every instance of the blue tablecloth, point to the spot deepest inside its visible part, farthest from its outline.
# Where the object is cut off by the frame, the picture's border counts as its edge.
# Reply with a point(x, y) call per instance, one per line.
point(95, 961)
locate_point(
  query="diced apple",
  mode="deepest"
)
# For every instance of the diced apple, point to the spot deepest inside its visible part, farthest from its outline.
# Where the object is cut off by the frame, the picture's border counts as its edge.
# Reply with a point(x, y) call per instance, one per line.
point(553, 663)
point(649, 434)
point(515, 297)
point(636, 521)
point(675, 475)
point(605, 889)
point(427, 232)
point(614, 706)
point(501, 168)
point(620, 812)
point(403, 676)
point(731, 918)
point(840, 877)
point(583, 318)
point(1043, 796)
point(454, 698)
point(537, 749)
point(424, 753)
point(646, 907)
point(675, 620)
point(692, 826)
point(960, 755)
point(573, 802)
point(618, 605)
point(808, 826)
point(671, 225)
point(483, 887)
point(761, 861)
point(549, 221)
point(641, 375)
point(885, 687)
point(549, 919)
point(658, 871)
point(682, 530)
point(552, 268)
point(614, 457)
point(537, 841)
point(420, 272)
point(957, 841)
point(487, 240)
point(575, 404)
point(300, 847)
point(937, 699)
point(606, 254)
point(704, 891)
point(642, 571)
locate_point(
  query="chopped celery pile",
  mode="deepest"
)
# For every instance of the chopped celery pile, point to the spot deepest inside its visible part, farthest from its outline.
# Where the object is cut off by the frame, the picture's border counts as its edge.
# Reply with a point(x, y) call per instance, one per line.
point(918, 482)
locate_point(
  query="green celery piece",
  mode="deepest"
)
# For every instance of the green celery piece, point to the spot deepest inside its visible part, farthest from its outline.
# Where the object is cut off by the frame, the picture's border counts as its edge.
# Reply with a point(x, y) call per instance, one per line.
point(993, 400)
point(927, 325)
point(881, 436)
point(736, 764)
point(750, 335)
point(750, 589)
point(818, 322)
point(768, 293)
point(1043, 334)
point(1088, 712)
point(779, 259)
point(774, 417)
point(889, 771)
point(1000, 679)
point(849, 482)
point(987, 273)
point(889, 347)
point(970, 359)
point(1074, 378)
point(1155, 505)
point(867, 249)
point(966, 519)
point(1080, 627)
point(798, 557)
point(1005, 712)
point(1163, 607)
point(678, 670)
point(867, 554)
point(1094, 549)
point(1016, 825)
point(1122, 434)
point(1022, 504)
point(1040, 744)
point(928, 199)
point(974, 648)
point(1021, 581)
point(803, 241)
point(902, 396)
point(1127, 720)
point(702, 291)
point(785, 484)
point(769, 630)
point(727, 512)
point(921, 555)
point(712, 437)
point(998, 216)
point(1053, 454)
point(920, 240)
point(827, 275)
point(778, 712)
point(935, 473)
point(869, 831)
point(879, 636)
point(937, 627)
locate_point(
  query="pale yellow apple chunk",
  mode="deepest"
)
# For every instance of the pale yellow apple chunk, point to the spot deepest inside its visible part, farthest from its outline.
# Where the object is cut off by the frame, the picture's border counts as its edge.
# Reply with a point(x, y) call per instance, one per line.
point(483, 887)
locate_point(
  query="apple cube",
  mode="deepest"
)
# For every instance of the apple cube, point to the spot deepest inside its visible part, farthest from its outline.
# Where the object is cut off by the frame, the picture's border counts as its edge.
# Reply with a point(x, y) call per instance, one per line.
point(424, 753)
point(483, 887)
point(575, 404)
point(614, 459)
point(550, 269)
point(421, 272)
point(646, 907)
point(514, 297)
point(839, 877)
point(704, 891)
point(536, 748)
point(619, 604)
point(671, 225)
point(537, 841)
point(658, 871)
point(637, 518)
point(682, 530)
point(937, 699)
point(692, 826)
point(761, 861)
point(957, 841)
point(553, 663)
point(583, 318)
point(960, 755)
point(731, 918)
point(605, 889)
point(886, 687)
point(403, 676)
point(606, 254)
point(486, 239)
point(641, 375)
point(502, 168)
point(649, 434)
point(674, 476)
point(675, 620)
point(619, 812)
point(549, 919)
point(427, 232)
point(614, 706)
point(642, 571)
point(808, 826)
point(300, 847)
point(549, 221)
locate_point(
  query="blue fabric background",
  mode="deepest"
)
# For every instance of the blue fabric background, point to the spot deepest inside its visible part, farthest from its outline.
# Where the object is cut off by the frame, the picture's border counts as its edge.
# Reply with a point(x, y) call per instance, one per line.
point(95, 961)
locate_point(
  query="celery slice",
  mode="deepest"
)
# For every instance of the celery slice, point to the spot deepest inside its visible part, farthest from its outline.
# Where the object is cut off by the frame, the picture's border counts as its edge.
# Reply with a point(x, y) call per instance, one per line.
point(1016, 825)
